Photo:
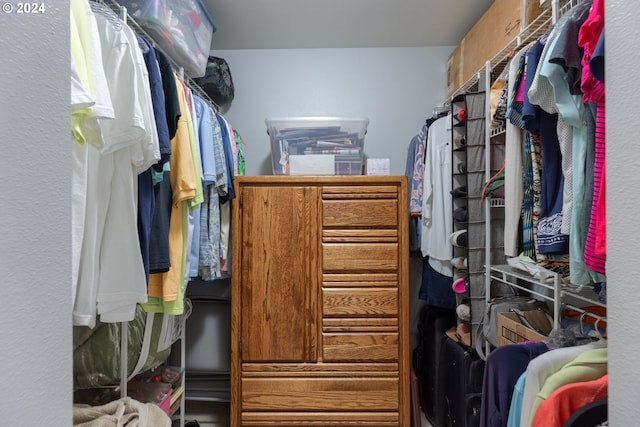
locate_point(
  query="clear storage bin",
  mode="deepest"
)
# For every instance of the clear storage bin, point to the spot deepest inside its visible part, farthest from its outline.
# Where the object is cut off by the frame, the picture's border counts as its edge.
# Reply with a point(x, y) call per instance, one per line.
point(181, 28)
point(317, 145)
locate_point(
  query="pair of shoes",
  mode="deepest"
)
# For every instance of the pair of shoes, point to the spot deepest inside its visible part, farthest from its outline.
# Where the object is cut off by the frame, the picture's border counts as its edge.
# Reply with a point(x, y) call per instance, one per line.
point(460, 286)
point(459, 262)
point(463, 311)
point(460, 334)
point(459, 238)
point(461, 167)
point(460, 117)
point(459, 192)
point(460, 214)
point(459, 141)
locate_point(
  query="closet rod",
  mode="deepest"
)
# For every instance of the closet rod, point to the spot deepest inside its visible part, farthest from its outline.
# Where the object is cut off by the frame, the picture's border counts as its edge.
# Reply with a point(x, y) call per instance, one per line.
point(131, 21)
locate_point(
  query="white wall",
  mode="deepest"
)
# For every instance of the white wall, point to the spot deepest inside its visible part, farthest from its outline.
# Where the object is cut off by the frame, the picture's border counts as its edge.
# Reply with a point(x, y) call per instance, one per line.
point(35, 356)
point(623, 205)
point(35, 226)
point(396, 88)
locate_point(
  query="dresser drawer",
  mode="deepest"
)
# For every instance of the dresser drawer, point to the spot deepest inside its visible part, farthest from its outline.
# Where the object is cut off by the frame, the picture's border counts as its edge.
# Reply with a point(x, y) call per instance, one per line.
point(373, 347)
point(320, 394)
point(360, 213)
point(359, 302)
point(364, 257)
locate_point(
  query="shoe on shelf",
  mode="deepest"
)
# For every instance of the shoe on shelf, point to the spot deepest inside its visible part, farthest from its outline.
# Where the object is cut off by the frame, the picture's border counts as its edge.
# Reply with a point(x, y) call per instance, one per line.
point(459, 262)
point(463, 331)
point(459, 192)
point(459, 238)
point(463, 311)
point(460, 214)
point(460, 118)
point(459, 141)
point(459, 286)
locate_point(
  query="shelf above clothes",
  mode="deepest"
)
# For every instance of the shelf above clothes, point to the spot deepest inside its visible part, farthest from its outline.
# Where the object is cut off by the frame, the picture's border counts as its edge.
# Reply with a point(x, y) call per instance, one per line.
point(536, 29)
point(546, 285)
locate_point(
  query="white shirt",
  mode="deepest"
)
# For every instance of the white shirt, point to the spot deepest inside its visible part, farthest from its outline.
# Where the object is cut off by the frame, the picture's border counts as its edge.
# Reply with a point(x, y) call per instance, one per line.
point(111, 277)
point(541, 368)
point(437, 216)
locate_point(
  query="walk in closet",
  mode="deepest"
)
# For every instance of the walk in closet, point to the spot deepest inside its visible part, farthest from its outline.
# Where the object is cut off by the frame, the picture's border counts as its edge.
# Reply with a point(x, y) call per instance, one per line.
point(516, 174)
point(353, 329)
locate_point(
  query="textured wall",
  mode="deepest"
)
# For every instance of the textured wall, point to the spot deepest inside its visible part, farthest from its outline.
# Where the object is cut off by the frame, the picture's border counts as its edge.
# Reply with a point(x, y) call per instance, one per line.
point(35, 229)
point(623, 205)
point(396, 88)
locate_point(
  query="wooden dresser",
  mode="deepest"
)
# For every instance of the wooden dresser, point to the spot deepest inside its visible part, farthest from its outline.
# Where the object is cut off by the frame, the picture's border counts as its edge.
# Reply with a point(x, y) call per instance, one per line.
point(320, 302)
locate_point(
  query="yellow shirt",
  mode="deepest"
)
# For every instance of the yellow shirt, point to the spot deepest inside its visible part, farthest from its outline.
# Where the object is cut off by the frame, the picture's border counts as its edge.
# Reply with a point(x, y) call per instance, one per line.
point(184, 184)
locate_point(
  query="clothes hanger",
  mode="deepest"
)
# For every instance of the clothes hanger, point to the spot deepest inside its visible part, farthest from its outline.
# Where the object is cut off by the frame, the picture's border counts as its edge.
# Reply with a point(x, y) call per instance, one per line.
point(590, 415)
point(595, 327)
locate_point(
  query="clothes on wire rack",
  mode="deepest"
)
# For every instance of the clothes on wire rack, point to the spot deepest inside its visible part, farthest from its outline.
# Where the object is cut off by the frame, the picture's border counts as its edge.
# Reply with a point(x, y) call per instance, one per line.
point(428, 169)
point(153, 169)
point(554, 181)
point(503, 368)
point(414, 170)
point(535, 384)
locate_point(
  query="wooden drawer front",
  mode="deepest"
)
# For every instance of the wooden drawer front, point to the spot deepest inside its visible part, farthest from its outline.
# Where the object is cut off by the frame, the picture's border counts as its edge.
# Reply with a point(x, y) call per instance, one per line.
point(360, 213)
point(360, 192)
point(320, 419)
point(359, 302)
point(371, 347)
point(360, 324)
point(365, 257)
point(319, 394)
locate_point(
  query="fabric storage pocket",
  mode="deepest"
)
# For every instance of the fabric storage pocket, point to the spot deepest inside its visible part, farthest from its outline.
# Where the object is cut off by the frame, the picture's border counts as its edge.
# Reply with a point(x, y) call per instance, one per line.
point(475, 158)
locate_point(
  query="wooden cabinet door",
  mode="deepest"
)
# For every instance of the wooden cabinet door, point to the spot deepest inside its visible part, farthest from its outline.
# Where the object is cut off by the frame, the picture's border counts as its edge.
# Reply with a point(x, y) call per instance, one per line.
point(279, 282)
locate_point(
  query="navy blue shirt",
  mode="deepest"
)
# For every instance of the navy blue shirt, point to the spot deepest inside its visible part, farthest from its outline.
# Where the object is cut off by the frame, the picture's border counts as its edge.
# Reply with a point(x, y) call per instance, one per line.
point(503, 367)
point(228, 155)
point(435, 288)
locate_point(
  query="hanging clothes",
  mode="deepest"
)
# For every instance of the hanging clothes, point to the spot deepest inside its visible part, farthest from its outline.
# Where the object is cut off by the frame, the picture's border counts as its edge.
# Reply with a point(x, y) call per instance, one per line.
point(145, 146)
point(541, 368)
point(514, 142)
point(111, 276)
point(165, 288)
point(593, 90)
point(437, 218)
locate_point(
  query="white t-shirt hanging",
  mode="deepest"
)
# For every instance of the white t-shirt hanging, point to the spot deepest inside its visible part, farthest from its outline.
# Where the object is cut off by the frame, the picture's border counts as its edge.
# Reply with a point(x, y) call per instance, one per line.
point(86, 55)
point(111, 277)
point(437, 216)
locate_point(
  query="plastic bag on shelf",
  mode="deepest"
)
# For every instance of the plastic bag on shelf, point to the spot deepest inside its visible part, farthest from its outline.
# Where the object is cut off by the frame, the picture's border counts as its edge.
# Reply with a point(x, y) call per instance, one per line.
point(96, 355)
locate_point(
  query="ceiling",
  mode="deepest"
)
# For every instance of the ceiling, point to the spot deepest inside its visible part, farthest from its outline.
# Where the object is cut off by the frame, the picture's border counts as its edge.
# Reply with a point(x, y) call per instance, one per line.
point(306, 24)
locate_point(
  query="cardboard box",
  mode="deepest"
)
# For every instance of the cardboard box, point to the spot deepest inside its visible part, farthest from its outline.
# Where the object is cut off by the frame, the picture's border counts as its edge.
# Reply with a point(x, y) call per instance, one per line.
point(500, 24)
point(454, 69)
point(511, 330)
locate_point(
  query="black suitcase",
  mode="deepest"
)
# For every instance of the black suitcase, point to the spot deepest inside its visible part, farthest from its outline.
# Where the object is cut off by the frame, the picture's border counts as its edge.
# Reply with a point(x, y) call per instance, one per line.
point(465, 371)
point(427, 361)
